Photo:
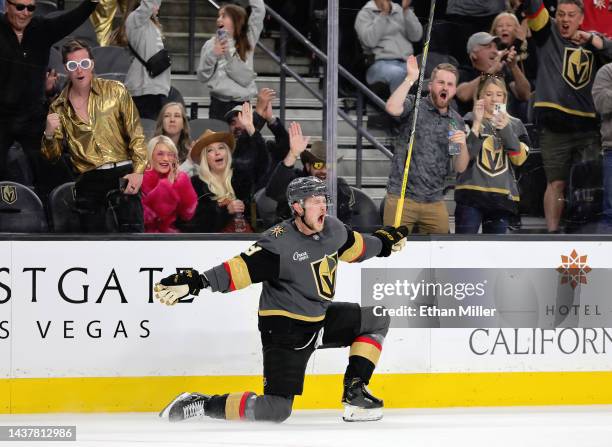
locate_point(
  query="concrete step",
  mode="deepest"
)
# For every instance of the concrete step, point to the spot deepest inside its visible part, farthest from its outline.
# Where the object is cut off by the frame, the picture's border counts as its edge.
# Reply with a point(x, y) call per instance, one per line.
point(310, 120)
point(181, 23)
point(178, 41)
point(191, 87)
point(262, 63)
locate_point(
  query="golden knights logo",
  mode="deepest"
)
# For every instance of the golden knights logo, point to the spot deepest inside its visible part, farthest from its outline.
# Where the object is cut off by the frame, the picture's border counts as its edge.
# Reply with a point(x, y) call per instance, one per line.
point(490, 160)
point(577, 67)
point(8, 194)
point(324, 271)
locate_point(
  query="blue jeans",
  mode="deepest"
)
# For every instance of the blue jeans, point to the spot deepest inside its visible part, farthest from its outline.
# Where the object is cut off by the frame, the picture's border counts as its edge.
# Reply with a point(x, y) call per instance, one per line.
point(389, 71)
point(468, 220)
point(605, 225)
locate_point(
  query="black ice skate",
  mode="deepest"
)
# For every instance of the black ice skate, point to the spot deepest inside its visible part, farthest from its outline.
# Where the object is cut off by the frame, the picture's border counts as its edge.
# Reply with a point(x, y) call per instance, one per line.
point(359, 404)
point(185, 406)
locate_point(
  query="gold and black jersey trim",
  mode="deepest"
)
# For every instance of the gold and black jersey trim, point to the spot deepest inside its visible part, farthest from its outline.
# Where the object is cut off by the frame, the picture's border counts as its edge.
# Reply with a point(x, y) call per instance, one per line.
point(238, 273)
point(284, 313)
point(354, 247)
point(553, 105)
point(503, 191)
point(255, 265)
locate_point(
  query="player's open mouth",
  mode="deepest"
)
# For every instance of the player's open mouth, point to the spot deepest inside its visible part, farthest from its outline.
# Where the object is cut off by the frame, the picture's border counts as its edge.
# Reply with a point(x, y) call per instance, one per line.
point(321, 219)
point(443, 95)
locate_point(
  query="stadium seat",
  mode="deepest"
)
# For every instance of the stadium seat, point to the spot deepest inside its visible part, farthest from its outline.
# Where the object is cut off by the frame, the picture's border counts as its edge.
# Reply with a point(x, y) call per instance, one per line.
point(433, 59)
point(64, 218)
point(266, 209)
point(365, 216)
point(112, 76)
point(174, 96)
point(84, 32)
point(44, 7)
point(148, 126)
point(112, 59)
point(21, 211)
point(18, 166)
point(199, 126)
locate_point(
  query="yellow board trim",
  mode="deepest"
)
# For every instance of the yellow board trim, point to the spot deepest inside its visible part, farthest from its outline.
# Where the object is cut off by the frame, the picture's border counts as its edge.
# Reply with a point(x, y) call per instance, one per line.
point(355, 251)
point(552, 105)
point(150, 394)
point(284, 313)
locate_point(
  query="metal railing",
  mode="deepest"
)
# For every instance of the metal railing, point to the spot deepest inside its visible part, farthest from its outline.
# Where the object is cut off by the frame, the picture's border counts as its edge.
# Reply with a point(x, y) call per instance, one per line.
point(281, 59)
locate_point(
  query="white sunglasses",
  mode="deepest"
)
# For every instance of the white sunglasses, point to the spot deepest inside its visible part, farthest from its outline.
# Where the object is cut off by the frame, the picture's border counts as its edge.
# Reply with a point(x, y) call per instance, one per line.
point(85, 64)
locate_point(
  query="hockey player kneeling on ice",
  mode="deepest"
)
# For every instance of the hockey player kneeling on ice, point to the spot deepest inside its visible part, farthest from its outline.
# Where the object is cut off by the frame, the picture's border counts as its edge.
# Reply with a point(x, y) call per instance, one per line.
point(296, 312)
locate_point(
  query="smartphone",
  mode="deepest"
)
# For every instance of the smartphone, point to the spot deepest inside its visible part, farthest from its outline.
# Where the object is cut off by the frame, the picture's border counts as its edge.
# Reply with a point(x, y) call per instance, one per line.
point(123, 182)
point(221, 34)
point(499, 108)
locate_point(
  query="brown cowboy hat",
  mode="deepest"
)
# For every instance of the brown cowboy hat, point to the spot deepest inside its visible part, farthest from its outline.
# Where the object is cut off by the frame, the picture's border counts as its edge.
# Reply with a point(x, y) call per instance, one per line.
point(317, 152)
point(209, 137)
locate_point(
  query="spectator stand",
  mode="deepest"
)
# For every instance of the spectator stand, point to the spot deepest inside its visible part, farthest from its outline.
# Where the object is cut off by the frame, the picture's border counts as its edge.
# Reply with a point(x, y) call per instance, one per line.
point(266, 209)
point(44, 7)
point(112, 62)
point(21, 211)
point(199, 126)
point(62, 212)
point(365, 217)
point(148, 127)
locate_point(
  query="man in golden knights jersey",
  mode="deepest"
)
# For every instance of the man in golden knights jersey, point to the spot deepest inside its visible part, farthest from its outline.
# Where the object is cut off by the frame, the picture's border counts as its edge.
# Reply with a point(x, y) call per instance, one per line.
point(297, 262)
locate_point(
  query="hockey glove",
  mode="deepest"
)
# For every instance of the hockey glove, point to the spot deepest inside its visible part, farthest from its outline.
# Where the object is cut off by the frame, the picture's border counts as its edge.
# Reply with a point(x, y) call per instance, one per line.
point(171, 289)
point(393, 239)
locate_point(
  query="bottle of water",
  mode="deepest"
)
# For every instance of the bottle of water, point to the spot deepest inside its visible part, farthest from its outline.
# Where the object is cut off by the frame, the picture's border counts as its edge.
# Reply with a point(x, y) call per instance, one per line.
point(453, 148)
point(240, 225)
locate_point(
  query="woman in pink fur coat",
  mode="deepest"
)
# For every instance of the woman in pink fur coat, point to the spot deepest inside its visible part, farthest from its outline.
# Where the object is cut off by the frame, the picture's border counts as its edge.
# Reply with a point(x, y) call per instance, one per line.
point(167, 193)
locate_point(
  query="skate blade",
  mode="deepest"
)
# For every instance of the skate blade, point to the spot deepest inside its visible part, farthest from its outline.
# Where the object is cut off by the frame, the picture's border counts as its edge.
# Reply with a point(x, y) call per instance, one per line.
point(358, 414)
point(165, 413)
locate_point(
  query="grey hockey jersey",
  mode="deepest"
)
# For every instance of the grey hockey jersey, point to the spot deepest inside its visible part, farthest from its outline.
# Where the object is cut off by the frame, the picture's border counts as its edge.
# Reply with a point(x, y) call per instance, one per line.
point(298, 272)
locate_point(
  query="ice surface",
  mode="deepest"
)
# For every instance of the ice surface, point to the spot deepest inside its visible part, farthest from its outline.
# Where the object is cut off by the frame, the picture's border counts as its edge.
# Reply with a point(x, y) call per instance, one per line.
point(587, 426)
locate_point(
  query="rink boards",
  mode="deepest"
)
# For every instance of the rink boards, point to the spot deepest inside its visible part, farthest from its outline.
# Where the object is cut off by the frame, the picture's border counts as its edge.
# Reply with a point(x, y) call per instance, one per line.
point(79, 331)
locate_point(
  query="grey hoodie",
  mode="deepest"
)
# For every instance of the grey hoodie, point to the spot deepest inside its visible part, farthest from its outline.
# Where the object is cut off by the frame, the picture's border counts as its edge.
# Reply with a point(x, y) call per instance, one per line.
point(146, 39)
point(388, 36)
point(602, 96)
point(213, 69)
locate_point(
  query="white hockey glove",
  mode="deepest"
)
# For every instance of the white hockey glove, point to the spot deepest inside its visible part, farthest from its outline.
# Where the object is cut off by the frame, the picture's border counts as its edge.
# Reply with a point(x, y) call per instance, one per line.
point(174, 287)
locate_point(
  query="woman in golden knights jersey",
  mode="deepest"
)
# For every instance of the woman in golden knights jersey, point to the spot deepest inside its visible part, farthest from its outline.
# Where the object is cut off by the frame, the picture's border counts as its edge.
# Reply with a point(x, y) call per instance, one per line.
point(487, 191)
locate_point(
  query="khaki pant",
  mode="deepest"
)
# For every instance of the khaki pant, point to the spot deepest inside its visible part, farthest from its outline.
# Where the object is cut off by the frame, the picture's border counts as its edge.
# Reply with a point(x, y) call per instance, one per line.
point(430, 218)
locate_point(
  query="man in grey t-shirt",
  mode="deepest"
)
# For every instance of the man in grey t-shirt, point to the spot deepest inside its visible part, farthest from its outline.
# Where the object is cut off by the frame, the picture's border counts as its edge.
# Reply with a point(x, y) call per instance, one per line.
point(437, 126)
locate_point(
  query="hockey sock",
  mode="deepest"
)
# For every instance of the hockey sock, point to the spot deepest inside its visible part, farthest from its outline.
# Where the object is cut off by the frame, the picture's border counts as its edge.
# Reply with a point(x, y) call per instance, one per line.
point(229, 406)
point(249, 407)
point(363, 357)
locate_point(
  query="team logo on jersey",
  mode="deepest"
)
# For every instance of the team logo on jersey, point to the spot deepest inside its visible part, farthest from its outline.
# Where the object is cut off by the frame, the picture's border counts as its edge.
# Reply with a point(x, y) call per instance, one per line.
point(490, 160)
point(577, 67)
point(8, 194)
point(277, 231)
point(324, 271)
